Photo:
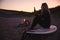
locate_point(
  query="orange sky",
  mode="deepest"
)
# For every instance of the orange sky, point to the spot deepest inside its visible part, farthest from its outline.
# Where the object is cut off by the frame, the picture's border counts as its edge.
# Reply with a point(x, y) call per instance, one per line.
point(26, 5)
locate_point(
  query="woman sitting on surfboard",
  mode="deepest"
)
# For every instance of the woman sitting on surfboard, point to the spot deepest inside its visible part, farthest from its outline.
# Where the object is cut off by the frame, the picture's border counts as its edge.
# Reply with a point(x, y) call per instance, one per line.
point(42, 18)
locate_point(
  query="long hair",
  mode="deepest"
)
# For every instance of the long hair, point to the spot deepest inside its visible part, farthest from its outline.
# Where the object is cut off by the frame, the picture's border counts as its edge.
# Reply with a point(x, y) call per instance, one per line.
point(44, 7)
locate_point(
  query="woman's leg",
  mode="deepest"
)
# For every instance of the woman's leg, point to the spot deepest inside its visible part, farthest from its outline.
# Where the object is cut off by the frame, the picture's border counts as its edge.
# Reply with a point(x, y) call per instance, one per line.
point(44, 25)
point(35, 21)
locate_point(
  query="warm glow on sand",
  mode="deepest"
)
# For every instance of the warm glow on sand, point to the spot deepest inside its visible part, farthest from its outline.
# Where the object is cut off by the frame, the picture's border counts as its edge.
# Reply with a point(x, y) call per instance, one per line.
point(26, 5)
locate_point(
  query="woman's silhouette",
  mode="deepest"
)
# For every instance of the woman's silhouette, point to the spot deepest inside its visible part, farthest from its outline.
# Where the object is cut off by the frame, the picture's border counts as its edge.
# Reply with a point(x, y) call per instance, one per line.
point(42, 18)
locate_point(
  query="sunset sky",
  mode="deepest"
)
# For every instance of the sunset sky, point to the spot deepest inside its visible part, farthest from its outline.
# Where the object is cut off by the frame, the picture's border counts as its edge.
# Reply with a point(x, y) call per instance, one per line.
point(26, 5)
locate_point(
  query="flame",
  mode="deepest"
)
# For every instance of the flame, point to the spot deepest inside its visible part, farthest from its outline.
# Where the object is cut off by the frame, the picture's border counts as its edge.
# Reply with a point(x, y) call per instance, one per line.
point(24, 20)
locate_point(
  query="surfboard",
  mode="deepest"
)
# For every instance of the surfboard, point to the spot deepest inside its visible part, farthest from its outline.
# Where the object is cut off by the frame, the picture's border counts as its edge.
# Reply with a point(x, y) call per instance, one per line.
point(52, 29)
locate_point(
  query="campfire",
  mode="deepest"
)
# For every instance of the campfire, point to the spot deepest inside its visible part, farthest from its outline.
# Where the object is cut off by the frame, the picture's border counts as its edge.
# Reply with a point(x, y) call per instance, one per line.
point(26, 22)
